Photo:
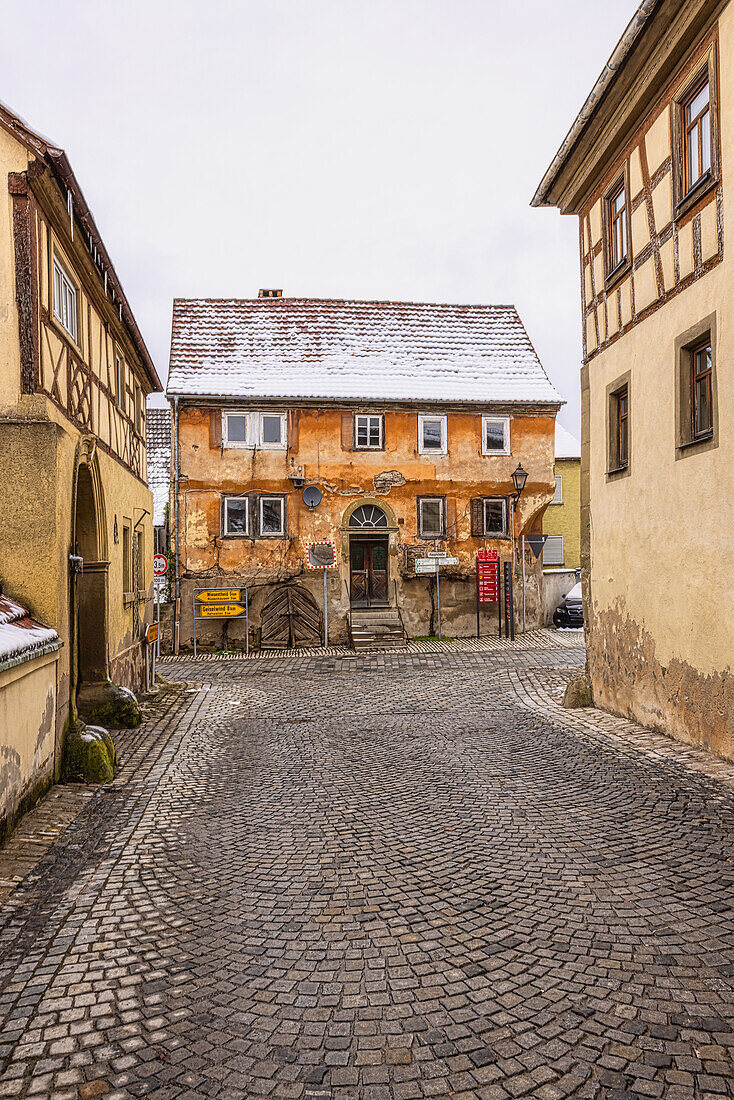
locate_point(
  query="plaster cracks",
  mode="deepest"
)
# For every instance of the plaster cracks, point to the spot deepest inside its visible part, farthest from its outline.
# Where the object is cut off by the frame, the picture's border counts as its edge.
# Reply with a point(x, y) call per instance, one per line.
point(676, 699)
point(388, 480)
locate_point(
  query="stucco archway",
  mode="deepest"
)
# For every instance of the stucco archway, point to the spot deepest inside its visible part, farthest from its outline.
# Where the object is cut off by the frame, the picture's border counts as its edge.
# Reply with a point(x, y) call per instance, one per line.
point(89, 568)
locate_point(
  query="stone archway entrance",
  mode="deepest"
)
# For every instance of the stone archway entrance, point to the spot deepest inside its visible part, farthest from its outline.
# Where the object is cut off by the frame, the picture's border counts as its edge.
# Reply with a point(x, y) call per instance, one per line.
point(89, 585)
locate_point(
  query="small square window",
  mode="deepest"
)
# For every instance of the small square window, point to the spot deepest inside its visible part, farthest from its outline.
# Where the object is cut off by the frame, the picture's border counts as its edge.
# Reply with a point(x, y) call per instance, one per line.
point(558, 494)
point(495, 435)
point(368, 432)
point(431, 516)
point(553, 550)
point(235, 429)
point(236, 519)
point(495, 516)
point(431, 435)
point(65, 300)
point(272, 430)
point(271, 516)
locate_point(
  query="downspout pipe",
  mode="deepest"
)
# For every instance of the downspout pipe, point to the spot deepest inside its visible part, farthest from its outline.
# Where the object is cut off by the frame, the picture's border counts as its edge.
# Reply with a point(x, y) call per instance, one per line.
point(615, 62)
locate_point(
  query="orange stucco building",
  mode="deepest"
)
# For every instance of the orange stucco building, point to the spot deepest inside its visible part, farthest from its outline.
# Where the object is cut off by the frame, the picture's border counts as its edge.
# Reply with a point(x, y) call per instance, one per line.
point(387, 429)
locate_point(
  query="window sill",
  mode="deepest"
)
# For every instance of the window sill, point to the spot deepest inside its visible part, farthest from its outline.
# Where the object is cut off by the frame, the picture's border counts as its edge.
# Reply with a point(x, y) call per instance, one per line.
point(494, 535)
point(617, 472)
point(705, 438)
point(358, 448)
point(706, 183)
point(618, 273)
point(496, 454)
point(236, 535)
point(433, 454)
point(432, 538)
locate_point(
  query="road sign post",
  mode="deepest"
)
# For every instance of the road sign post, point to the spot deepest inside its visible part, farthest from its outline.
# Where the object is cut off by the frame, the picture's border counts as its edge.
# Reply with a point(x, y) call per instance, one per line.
point(221, 603)
point(322, 555)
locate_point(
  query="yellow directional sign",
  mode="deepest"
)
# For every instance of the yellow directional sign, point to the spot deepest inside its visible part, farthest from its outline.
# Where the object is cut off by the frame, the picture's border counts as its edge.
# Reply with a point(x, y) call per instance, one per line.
point(220, 611)
point(219, 595)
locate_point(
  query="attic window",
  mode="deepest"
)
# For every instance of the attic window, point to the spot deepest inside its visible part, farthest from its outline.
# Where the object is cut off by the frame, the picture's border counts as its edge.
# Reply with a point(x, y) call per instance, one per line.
point(270, 293)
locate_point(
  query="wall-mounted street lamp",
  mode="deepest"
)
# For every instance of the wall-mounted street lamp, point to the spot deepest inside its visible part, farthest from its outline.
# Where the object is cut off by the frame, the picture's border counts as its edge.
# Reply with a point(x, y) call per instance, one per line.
point(519, 478)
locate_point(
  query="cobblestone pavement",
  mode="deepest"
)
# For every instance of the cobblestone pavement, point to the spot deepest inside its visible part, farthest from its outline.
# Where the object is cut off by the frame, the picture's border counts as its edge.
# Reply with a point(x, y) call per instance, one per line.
point(385, 876)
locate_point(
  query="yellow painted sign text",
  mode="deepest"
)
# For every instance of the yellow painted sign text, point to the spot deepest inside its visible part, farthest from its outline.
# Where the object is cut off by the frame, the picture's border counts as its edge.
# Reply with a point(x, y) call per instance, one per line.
point(221, 611)
point(219, 595)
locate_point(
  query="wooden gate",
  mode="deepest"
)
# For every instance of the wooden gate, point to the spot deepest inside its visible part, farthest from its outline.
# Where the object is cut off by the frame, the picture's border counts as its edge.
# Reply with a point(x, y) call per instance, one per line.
point(290, 619)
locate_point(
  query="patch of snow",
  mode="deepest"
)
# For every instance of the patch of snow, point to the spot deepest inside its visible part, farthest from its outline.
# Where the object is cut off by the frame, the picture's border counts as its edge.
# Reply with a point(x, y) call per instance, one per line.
point(19, 633)
point(567, 446)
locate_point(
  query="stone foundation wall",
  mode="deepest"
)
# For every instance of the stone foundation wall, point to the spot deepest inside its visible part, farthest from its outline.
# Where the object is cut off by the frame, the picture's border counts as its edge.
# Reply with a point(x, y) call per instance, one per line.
point(628, 679)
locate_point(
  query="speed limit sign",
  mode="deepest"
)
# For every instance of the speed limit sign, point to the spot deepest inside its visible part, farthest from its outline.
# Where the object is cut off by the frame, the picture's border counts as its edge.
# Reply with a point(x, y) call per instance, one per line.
point(160, 565)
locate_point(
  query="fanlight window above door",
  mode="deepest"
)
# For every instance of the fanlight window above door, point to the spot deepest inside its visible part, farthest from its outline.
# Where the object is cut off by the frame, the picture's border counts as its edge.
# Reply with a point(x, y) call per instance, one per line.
point(368, 515)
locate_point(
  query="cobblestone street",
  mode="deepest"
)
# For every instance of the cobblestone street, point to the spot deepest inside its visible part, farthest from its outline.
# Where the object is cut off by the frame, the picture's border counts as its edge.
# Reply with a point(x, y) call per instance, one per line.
point(382, 876)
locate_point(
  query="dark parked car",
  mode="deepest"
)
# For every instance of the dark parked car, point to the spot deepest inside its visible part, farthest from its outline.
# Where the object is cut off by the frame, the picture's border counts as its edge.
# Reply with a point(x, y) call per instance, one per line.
point(569, 612)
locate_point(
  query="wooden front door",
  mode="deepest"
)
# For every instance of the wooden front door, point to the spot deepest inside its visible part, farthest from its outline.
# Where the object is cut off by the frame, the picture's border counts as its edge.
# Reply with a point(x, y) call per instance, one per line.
point(368, 573)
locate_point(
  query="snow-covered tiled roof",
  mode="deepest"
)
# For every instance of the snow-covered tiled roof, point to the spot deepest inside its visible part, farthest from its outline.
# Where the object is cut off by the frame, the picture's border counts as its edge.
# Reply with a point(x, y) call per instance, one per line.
point(158, 447)
point(307, 348)
point(20, 635)
point(567, 446)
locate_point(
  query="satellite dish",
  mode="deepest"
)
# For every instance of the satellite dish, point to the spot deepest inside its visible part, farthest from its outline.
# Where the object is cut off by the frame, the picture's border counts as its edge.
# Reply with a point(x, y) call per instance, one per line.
point(312, 496)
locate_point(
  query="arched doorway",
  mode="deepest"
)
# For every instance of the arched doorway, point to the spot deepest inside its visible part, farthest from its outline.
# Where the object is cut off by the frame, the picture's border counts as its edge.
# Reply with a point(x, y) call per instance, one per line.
point(368, 557)
point(89, 576)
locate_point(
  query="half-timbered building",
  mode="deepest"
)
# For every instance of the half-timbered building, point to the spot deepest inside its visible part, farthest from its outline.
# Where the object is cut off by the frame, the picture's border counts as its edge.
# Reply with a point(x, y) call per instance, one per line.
point(387, 429)
point(645, 168)
point(75, 511)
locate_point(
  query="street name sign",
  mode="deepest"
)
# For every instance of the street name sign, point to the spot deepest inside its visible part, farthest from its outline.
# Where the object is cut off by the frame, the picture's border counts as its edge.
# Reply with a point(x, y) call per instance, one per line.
point(218, 595)
point(221, 611)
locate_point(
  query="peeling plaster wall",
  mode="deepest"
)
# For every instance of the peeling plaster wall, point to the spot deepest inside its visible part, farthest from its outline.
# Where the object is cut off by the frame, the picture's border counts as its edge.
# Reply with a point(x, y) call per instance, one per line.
point(392, 479)
point(27, 734)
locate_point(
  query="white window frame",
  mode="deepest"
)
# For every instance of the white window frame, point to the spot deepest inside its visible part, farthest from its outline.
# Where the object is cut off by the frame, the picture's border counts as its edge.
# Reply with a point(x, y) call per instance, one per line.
point(422, 417)
point(368, 417)
point(505, 532)
point(271, 534)
point(225, 517)
point(558, 493)
point(283, 445)
point(442, 518)
point(552, 543)
point(226, 442)
point(505, 421)
point(65, 293)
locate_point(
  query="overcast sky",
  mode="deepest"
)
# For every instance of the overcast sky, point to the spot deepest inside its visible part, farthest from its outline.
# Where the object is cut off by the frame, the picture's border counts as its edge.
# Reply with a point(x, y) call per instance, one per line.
point(334, 148)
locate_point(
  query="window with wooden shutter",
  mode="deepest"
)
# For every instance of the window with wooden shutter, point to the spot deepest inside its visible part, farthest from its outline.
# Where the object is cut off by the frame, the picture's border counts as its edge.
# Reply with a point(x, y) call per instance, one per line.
point(477, 518)
point(347, 432)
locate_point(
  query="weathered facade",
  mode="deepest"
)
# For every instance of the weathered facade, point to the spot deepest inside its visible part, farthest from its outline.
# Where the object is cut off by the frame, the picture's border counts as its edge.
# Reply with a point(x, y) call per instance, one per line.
point(645, 167)
point(75, 526)
point(408, 419)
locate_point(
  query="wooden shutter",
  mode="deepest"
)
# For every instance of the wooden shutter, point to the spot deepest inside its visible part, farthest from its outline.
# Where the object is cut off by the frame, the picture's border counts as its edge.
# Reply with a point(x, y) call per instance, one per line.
point(477, 517)
point(215, 428)
point(254, 500)
point(347, 432)
point(294, 417)
point(450, 521)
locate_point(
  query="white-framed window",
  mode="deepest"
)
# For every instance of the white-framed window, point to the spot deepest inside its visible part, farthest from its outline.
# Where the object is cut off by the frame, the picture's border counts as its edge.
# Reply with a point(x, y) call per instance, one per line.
point(431, 513)
point(495, 435)
point(431, 434)
point(65, 300)
point(368, 432)
point(272, 516)
point(236, 429)
point(495, 517)
point(235, 516)
point(119, 379)
point(558, 494)
point(273, 431)
point(553, 550)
